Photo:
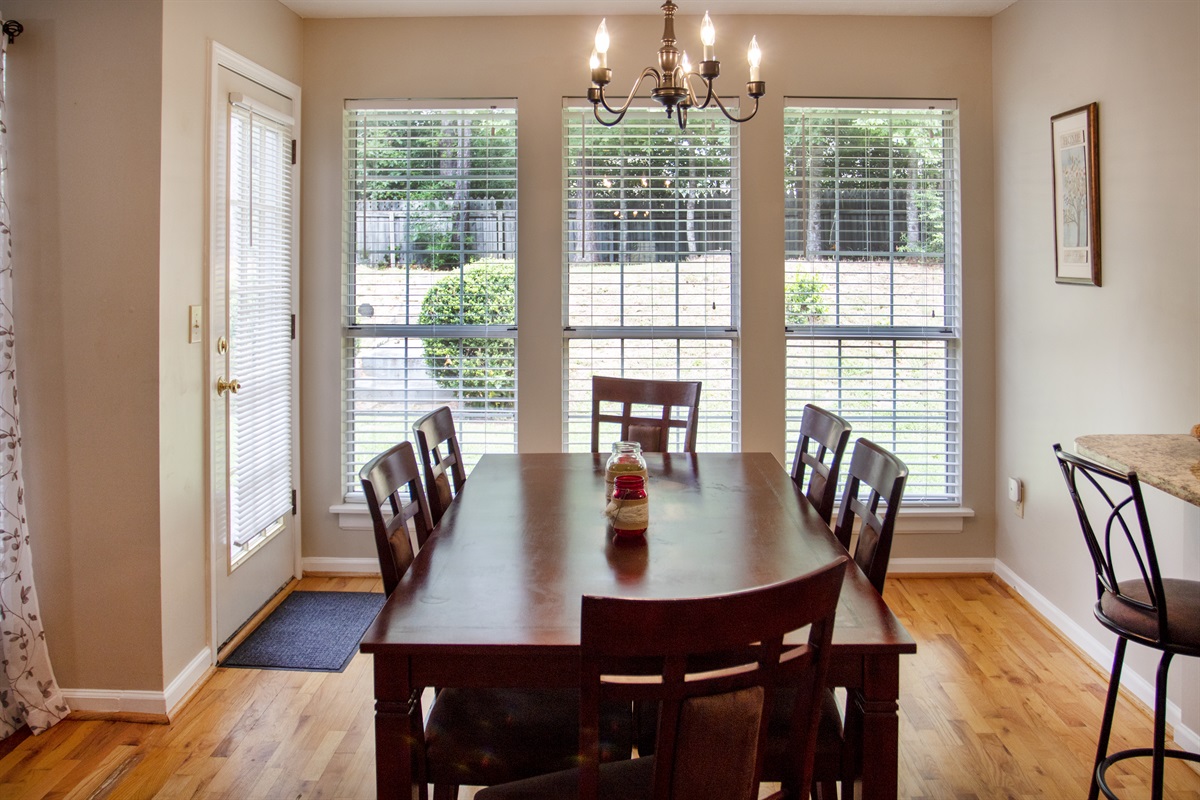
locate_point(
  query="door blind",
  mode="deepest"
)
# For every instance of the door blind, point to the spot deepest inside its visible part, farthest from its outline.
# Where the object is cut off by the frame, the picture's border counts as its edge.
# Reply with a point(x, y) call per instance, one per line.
point(430, 312)
point(260, 321)
point(650, 220)
point(872, 279)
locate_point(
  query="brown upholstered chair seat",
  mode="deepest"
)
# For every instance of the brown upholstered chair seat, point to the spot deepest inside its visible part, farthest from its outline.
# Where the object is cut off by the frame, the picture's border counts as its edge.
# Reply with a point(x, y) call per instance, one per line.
point(830, 739)
point(527, 732)
point(1183, 613)
point(718, 733)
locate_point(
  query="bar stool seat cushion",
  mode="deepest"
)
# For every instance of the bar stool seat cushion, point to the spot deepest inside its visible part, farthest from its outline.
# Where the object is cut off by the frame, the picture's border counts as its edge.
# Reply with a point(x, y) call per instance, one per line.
point(1183, 613)
point(480, 737)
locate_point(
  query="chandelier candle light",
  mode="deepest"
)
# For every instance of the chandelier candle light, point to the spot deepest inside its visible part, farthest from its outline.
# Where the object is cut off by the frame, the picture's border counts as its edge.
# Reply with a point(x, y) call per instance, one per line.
point(672, 78)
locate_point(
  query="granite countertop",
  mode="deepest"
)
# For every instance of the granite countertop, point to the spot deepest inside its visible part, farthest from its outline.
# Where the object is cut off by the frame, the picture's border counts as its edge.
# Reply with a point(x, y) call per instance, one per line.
point(1166, 461)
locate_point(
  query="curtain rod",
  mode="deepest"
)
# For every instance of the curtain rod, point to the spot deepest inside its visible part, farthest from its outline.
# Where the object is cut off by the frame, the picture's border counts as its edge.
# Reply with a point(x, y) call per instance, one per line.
point(12, 29)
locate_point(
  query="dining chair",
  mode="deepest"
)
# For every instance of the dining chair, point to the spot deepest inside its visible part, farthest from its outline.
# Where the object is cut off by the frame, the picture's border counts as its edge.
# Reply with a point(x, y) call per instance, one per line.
point(474, 737)
point(384, 480)
point(652, 432)
point(827, 434)
point(1133, 600)
point(712, 665)
point(884, 476)
point(441, 459)
point(881, 476)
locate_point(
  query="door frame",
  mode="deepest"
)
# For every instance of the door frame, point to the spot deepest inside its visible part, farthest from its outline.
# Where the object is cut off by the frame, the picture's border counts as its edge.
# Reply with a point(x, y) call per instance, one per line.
point(220, 56)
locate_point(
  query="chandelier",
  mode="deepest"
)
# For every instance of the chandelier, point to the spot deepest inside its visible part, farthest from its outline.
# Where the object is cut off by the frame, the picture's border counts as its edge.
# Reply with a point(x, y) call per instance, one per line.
point(673, 78)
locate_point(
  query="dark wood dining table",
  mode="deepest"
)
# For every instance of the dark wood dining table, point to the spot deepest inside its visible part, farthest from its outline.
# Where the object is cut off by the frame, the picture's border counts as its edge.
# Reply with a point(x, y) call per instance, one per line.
point(493, 599)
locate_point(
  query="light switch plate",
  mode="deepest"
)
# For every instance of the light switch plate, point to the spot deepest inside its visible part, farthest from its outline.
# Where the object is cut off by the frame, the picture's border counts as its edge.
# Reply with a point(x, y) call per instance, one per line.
point(195, 324)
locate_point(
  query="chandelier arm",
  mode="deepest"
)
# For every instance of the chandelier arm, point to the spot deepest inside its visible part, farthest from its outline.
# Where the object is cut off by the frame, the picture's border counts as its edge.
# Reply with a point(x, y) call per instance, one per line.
point(687, 81)
point(711, 94)
point(648, 72)
point(596, 113)
point(732, 118)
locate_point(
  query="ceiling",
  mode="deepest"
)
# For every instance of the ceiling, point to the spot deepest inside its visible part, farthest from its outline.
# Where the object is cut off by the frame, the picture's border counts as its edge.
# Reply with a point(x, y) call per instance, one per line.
point(482, 8)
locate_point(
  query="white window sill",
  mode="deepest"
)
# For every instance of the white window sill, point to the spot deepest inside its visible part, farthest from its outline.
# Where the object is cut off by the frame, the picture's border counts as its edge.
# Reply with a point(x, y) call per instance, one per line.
point(352, 516)
point(932, 519)
point(918, 519)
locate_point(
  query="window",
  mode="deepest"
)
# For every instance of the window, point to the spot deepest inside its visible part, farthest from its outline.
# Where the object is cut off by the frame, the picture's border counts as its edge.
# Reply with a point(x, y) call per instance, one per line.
point(430, 306)
point(872, 279)
point(650, 260)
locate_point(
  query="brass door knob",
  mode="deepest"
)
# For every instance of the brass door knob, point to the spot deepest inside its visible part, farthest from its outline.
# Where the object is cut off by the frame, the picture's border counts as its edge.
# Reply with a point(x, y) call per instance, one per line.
point(232, 385)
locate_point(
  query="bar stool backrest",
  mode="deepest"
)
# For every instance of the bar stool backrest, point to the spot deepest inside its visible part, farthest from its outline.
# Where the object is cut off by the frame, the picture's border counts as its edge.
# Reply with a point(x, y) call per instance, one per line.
point(1116, 529)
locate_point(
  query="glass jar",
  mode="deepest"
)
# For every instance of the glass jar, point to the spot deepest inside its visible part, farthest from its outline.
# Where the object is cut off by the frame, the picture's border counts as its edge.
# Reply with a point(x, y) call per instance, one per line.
point(626, 459)
point(631, 512)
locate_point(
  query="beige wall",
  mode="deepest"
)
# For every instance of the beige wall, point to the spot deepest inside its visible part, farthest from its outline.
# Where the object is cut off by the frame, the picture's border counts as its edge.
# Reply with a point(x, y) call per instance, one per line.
point(107, 113)
point(1124, 358)
point(84, 83)
point(268, 34)
point(540, 60)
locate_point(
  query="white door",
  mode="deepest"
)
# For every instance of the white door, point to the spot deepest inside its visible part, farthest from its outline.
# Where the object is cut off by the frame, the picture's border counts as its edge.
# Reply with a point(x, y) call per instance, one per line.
point(251, 342)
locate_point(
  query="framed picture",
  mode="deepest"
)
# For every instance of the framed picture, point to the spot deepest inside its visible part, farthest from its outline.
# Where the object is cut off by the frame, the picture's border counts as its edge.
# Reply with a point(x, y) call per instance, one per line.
point(1077, 195)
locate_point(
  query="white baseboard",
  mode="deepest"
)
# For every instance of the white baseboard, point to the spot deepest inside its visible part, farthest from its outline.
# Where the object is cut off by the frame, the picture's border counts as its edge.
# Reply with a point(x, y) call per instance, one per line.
point(139, 703)
point(942, 566)
point(341, 566)
point(116, 702)
point(1100, 653)
point(186, 681)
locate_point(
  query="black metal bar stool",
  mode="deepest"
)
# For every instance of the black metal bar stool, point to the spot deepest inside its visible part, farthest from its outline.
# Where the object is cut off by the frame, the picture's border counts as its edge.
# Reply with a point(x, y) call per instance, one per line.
point(1163, 613)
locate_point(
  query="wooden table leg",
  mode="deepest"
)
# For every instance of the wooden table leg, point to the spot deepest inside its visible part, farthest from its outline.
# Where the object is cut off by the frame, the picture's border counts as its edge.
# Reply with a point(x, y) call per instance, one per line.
point(399, 736)
point(880, 727)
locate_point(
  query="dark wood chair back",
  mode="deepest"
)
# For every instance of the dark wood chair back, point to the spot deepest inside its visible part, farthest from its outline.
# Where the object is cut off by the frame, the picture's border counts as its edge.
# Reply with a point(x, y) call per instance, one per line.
point(651, 432)
point(1116, 529)
point(441, 459)
point(823, 438)
point(384, 480)
point(883, 475)
point(713, 665)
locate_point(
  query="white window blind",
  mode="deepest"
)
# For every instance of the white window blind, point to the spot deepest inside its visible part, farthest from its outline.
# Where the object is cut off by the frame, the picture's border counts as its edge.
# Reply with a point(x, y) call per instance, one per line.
point(431, 244)
point(260, 321)
point(650, 219)
point(872, 279)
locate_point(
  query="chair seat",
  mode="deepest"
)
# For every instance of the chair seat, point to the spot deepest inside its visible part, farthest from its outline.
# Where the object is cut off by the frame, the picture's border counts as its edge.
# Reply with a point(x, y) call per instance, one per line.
point(480, 737)
point(826, 762)
point(632, 779)
point(1183, 614)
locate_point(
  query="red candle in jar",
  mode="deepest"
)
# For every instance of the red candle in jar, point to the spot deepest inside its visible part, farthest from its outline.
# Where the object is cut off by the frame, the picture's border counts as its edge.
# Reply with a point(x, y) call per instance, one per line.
point(631, 514)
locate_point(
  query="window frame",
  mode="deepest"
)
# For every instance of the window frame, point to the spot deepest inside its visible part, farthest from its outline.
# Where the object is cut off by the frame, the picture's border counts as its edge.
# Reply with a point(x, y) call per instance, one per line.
point(354, 330)
point(948, 331)
point(681, 335)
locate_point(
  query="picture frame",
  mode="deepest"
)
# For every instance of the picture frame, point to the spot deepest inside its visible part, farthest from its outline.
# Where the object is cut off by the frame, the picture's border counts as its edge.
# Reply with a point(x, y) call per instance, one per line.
point(1076, 157)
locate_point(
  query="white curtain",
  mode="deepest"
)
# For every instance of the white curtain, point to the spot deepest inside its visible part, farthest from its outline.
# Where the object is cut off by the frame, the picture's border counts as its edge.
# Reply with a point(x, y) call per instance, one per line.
point(29, 695)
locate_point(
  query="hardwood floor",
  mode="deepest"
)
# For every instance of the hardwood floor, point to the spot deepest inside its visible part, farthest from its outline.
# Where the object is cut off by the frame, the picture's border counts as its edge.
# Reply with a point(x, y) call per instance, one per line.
point(994, 705)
